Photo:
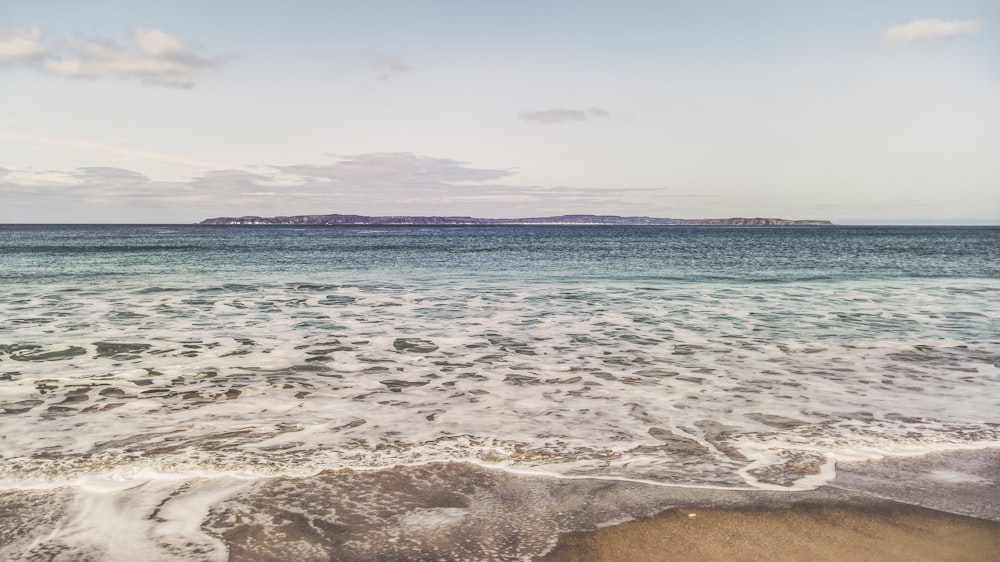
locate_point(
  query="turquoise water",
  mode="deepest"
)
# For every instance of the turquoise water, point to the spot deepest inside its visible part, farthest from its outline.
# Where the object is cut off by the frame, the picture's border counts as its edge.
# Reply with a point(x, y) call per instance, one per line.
point(706, 357)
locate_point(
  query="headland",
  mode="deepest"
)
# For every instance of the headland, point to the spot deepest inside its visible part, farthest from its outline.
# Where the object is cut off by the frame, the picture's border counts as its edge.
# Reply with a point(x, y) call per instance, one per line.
point(609, 220)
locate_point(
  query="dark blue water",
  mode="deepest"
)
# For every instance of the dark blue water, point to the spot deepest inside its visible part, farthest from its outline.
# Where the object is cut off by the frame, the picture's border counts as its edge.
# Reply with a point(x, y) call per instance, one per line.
point(748, 254)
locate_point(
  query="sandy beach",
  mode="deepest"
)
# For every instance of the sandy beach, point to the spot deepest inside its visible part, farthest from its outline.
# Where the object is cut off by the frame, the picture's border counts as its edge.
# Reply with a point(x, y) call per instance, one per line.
point(933, 507)
point(883, 532)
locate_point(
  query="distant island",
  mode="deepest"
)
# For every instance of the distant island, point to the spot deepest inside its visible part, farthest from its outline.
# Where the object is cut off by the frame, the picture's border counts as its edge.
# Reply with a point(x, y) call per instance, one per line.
point(610, 220)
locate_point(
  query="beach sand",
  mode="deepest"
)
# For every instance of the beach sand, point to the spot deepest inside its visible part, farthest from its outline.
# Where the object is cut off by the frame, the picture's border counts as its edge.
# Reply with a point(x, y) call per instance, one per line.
point(940, 506)
point(933, 507)
point(930, 507)
point(884, 532)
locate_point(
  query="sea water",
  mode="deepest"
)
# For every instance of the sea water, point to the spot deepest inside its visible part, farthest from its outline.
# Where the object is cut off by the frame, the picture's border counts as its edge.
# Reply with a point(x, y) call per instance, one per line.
point(716, 357)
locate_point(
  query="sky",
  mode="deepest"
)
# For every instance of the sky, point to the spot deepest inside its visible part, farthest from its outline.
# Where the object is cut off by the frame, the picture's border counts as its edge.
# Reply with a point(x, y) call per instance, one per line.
point(854, 111)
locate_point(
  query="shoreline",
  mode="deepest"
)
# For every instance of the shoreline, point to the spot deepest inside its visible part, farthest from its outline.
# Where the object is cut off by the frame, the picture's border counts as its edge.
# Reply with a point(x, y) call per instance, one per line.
point(463, 511)
point(939, 506)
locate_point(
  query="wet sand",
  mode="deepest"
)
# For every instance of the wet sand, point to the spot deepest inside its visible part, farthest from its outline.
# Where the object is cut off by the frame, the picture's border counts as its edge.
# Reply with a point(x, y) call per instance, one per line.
point(884, 532)
point(933, 507)
point(466, 512)
point(940, 506)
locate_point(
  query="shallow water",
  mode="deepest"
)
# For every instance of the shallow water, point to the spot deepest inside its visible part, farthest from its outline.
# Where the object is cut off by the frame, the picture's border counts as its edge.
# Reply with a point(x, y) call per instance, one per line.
point(742, 358)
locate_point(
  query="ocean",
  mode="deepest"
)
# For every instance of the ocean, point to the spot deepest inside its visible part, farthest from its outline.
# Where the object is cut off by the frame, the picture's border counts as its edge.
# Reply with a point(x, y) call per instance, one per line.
point(155, 376)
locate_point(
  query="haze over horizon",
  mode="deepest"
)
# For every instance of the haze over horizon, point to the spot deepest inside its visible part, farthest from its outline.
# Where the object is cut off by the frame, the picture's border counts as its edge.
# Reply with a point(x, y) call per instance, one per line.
point(174, 112)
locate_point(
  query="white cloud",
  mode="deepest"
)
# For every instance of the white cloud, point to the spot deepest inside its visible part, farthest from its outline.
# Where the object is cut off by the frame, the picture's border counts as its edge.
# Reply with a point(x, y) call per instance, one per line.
point(395, 169)
point(930, 30)
point(157, 44)
point(34, 179)
point(374, 184)
point(112, 178)
point(153, 56)
point(552, 116)
point(18, 46)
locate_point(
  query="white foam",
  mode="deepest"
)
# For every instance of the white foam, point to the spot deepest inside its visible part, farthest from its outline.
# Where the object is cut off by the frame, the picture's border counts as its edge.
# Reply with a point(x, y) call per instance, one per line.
point(956, 477)
point(430, 518)
point(155, 520)
point(555, 378)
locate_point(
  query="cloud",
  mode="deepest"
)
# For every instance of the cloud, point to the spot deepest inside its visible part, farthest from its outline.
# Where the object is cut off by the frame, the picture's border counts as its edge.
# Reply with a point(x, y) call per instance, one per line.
point(151, 55)
point(394, 169)
point(388, 65)
point(376, 184)
point(552, 116)
point(930, 30)
point(74, 190)
point(154, 57)
point(115, 178)
point(19, 46)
